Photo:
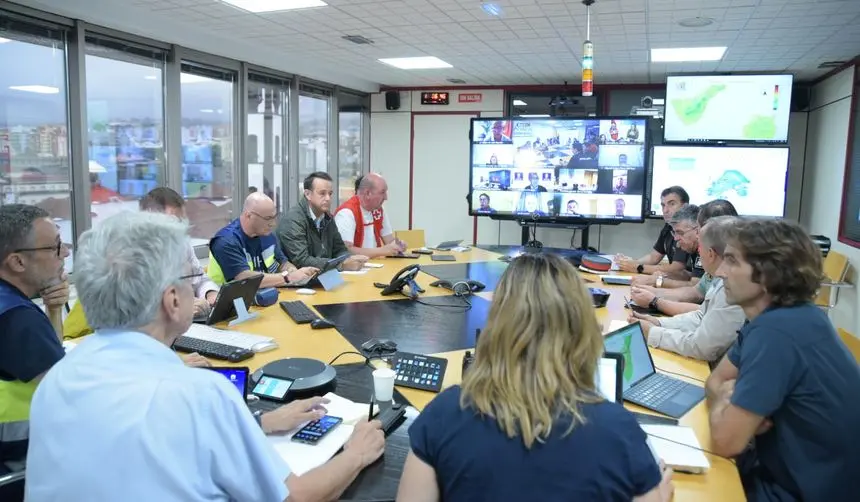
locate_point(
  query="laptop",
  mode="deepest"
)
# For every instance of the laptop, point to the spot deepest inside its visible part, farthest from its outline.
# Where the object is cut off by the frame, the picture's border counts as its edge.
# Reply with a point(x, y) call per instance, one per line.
point(224, 309)
point(240, 377)
point(641, 383)
point(329, 265)
point(448, 245)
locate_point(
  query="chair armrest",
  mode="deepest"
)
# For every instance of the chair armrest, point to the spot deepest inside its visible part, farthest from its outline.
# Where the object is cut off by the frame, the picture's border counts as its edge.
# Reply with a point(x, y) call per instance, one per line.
point(13, 477)
point(837, 284)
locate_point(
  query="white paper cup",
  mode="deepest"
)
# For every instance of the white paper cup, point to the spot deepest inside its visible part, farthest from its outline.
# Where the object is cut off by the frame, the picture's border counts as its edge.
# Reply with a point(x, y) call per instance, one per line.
point(383, 384)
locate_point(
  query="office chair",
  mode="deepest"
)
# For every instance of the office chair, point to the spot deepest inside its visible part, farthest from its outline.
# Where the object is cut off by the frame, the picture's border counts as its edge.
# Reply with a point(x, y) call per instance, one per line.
point(835, 267)
point(12, 487)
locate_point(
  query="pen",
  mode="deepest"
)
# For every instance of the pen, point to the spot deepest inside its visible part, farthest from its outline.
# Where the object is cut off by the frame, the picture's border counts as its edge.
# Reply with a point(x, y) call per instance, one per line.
point(626, 302)
point(370, 413)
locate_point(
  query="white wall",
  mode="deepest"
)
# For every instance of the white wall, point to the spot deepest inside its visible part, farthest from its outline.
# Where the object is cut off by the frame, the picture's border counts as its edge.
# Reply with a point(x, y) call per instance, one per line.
point(391, 152)
point(821, 204)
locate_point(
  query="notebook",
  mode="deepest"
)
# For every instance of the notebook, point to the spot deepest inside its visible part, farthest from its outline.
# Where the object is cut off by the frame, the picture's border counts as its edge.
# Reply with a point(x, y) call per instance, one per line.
point(678, 447)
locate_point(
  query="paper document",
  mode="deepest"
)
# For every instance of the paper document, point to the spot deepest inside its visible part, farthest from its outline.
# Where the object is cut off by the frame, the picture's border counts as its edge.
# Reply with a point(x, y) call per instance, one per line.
point(684, 457)
point(303, 457)
point(373, 265)
point(615, 325)
point(354, 272)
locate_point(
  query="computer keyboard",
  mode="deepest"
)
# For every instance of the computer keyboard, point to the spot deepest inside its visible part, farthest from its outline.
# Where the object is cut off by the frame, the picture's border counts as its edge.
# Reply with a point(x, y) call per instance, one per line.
point(298, 311)
point(205, 348)
point(238, 339)
point(655, 390)
point(264, 405)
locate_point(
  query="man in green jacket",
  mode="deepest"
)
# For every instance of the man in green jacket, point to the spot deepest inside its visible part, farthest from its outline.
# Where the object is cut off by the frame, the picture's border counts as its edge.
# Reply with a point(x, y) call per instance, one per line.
point(308, 234)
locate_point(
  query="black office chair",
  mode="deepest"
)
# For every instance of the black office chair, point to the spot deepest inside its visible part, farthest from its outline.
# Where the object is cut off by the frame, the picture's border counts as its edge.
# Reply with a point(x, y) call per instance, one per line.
point(12, 487)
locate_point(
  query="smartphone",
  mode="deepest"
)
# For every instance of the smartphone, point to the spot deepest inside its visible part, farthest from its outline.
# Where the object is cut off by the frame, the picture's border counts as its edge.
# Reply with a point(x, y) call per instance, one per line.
point(316, 430)
point(271, 387)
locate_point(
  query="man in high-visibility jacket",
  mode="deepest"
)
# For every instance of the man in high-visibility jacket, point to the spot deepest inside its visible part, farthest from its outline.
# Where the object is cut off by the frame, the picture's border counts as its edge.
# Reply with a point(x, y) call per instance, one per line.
point(32, 258)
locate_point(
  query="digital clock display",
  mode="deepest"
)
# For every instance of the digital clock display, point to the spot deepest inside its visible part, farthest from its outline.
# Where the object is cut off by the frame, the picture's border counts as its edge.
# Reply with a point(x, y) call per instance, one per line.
point(434, 98)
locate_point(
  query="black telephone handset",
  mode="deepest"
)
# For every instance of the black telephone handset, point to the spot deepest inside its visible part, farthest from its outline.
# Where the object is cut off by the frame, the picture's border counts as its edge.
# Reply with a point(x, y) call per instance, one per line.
point(401, 279)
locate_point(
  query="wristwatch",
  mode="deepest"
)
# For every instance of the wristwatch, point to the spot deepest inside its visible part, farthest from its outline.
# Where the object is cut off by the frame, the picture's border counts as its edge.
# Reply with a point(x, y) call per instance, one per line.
point(258, 417)
point(640, 268)
point(653, 303)
point(659, 281)
point(286, 275)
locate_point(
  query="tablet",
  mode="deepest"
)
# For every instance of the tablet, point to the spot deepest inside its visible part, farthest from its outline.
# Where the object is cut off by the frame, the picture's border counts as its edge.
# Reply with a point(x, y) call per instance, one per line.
point(246, 289)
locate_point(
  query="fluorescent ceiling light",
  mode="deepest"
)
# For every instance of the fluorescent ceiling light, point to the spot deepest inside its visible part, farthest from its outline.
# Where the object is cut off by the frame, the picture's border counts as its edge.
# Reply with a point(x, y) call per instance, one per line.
point(520, 102)
point(683, 54)
point(4, 40)
point(190, 78)
point(151, 77)
point(207, 110)
point(38, 89)
point(274, 5)
point(418, 63)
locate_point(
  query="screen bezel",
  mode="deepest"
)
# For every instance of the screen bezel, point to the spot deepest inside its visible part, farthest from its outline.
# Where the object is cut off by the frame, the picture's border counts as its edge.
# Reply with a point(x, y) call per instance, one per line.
point(718, 141)
point(316, 439)
point(272, 398)
point(655, 195)
point(561, 219)
point(619, 374)
point(638, 328)
point(241, 369)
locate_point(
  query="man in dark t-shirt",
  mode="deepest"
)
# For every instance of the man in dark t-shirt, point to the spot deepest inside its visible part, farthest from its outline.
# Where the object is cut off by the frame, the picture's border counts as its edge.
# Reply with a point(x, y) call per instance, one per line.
point(671, 199)
point(784, 399)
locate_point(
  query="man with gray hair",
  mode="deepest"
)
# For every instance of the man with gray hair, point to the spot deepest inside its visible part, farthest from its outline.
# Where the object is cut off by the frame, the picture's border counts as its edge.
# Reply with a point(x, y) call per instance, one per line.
point(708, 332)
point(362, 222)
point(32, 258)
point(153, 428)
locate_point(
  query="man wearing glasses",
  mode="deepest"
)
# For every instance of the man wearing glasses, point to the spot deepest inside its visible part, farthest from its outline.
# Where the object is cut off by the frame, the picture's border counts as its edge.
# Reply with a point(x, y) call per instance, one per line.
point(32, 258)
point(246, 247)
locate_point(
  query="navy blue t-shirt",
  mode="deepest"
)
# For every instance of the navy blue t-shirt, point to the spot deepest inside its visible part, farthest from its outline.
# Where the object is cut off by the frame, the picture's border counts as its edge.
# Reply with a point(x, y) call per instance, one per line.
point(794, 369)
point(229, 251)
point(605, 459)
point(28, 347)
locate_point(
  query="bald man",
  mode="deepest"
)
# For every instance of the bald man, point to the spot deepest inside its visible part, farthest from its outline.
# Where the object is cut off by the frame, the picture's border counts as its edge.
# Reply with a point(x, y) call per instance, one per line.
point(246, 247)
point(363, 225)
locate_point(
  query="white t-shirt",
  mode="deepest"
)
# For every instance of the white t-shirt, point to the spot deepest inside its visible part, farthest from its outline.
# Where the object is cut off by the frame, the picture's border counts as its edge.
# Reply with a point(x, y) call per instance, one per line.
point(346, 226)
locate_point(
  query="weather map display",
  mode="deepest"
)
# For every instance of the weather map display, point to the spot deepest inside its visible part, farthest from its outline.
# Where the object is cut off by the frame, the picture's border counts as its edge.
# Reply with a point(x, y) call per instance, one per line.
point(713, 108)
point(630, 343)
point(752, 178)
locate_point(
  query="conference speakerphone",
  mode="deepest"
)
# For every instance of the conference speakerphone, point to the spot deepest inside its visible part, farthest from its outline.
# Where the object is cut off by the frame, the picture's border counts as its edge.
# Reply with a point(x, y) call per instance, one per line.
point(419, 372)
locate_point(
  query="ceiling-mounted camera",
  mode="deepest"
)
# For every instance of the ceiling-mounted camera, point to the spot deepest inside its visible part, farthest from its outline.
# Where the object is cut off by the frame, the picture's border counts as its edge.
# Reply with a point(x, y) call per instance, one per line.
point(647, 102)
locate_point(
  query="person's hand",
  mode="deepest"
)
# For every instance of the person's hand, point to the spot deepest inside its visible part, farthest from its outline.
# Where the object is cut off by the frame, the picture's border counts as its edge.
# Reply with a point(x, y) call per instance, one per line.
point(641, 296)
point(400, 245)
point(643, 318)
point(354, 262)
point(644, 280)
point(367, 442)
point(300, 274)
point(393, 248)
point(211, 297)
point(764, 426)
point(626, 264)
point(195, 360)
point(56, 295)
point(290, 416)
point(201, 307)
point(667, 489)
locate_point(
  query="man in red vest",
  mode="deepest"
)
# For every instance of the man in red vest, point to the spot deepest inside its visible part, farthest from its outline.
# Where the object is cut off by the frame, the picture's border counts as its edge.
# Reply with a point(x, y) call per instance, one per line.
point(362, 223)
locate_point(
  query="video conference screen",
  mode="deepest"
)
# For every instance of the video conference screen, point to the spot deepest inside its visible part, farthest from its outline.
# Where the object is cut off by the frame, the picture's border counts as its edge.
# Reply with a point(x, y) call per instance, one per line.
point(559, 168)
point(717, 108)
point(752, 178)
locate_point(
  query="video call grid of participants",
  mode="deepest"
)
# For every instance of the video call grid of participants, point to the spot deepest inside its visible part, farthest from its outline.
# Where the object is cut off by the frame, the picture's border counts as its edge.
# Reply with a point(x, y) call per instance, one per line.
point(603, 158)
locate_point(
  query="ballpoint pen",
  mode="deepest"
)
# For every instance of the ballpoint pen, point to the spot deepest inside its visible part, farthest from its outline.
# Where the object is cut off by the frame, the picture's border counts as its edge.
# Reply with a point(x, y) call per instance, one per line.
point(370, 413)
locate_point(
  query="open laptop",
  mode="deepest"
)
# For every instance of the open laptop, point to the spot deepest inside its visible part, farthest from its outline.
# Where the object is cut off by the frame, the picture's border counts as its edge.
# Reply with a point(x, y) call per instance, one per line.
point(641, 383)
point(329, 265)
point(448, 245)
point(224, 309)
point(240, 377)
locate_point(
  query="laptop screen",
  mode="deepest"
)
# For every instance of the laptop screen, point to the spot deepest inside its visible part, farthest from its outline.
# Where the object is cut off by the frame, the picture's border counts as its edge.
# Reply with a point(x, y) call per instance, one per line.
point(606, 378)
point(629, 341)
point(236, 376)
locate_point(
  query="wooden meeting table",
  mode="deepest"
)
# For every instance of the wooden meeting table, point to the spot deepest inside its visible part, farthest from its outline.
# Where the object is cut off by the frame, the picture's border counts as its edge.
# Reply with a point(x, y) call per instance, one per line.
point(720, 483)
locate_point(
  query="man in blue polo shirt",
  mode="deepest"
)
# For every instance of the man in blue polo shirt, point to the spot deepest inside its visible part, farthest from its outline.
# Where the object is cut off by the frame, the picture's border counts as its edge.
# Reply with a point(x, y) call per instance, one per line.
point(246, 247)
point(31, 263)
point(784, 399)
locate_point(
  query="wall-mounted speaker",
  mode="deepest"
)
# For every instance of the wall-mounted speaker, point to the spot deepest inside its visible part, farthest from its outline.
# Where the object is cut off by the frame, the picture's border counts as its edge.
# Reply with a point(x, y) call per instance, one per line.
point(392, 100)
point(801, 95)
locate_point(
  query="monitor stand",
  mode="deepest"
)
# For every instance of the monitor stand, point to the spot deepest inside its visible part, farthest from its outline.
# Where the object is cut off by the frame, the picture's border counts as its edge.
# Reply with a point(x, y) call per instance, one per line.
point(529, 234)
point(242, 313)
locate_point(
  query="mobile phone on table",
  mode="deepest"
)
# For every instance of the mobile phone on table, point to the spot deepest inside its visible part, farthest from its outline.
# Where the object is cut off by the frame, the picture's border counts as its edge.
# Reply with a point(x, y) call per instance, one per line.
point(316, 430)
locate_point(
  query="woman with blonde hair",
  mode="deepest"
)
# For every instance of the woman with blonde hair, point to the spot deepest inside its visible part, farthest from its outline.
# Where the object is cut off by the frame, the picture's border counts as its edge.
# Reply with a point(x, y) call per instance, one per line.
point(527, 422)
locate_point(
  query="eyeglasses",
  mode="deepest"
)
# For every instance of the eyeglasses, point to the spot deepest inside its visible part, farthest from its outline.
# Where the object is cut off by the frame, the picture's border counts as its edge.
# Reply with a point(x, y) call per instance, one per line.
point(58, 248)
point(681, 233)
point(190, 276)
point(265, 218)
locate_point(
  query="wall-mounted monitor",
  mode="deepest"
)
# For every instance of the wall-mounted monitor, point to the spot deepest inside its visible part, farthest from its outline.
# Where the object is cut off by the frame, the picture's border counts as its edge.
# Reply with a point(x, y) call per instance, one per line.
point(753, 179)
point(559, 169)
point(727, 108)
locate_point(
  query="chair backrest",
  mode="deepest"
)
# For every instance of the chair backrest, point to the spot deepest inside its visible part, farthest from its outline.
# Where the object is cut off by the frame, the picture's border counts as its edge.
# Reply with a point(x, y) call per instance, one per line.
point(12, 487)
point(412, 238)
point(852, 342)
point(835, 269)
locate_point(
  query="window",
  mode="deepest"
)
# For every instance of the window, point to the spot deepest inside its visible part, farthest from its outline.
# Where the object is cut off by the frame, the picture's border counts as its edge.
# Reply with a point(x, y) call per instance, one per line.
point(207, 149)
point(267, 123)
point(351, 120)
point(125, 124)
point(313, 134)
point(34, 138)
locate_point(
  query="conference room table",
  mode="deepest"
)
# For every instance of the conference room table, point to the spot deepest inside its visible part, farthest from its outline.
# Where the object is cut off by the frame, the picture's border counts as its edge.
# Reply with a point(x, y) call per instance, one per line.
point(720, 483)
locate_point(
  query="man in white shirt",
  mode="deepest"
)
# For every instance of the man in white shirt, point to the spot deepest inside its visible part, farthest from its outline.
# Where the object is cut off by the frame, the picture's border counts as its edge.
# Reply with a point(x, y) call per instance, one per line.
point(706, 333)
point(121, 418)
point(373, 237)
